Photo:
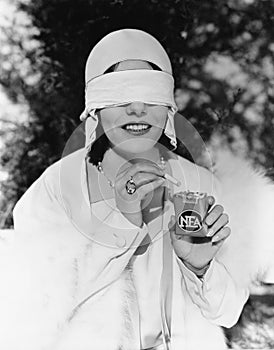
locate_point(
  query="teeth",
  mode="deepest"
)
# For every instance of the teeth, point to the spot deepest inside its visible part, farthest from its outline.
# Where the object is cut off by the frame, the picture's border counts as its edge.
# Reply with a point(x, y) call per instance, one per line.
point(138, 127)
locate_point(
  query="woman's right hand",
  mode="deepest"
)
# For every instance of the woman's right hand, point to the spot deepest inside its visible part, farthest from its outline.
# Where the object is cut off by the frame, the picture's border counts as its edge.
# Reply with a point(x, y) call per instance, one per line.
point(147, 176)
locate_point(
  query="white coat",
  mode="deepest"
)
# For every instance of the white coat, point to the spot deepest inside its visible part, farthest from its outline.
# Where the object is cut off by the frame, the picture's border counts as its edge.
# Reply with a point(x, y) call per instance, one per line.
point(67, 279)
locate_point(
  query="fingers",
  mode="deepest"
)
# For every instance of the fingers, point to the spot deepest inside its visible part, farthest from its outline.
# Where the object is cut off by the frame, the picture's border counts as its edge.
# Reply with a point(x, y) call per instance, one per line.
point(144, 178)
point(141, 167)
point(214, 214)
point(139, 179)
point(218, 224)
point(146, 175)
point(145, 189)
point(221, 235)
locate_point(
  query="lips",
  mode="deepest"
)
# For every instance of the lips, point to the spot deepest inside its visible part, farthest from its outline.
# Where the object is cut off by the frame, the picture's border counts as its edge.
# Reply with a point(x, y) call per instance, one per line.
point(136, 126)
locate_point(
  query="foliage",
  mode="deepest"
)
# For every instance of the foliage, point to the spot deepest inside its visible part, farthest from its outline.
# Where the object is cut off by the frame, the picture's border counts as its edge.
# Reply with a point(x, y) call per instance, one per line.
point(204, 40)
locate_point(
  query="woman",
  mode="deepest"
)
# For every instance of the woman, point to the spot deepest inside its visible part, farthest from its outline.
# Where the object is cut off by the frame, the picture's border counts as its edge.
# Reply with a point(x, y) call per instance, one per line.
point(127, 281)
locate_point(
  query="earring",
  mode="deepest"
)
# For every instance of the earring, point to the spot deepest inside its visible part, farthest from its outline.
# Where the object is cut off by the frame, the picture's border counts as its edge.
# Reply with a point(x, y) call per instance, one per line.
point(173, 144)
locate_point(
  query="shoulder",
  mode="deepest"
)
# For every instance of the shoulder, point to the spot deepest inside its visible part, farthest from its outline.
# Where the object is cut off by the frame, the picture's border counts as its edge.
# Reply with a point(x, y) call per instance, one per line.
point(71, 164)
point(49, 186)
point(65, 172)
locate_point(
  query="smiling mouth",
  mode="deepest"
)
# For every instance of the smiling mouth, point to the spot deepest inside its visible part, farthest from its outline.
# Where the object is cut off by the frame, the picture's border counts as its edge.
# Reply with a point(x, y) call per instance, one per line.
point(136, 128)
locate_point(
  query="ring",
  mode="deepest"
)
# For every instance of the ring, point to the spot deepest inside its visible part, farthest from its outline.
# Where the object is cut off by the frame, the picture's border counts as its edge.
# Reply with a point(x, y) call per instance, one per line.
point(130, 186)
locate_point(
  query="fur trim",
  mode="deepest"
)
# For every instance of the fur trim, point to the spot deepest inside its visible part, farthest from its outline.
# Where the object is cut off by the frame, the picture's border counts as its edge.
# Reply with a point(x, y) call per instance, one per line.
point(105, 329)
point(248, 197)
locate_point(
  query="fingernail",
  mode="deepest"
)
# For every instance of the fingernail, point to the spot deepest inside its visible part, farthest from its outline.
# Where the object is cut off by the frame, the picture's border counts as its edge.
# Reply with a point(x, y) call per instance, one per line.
point(210, 233)
point(215, 238)
point(208, 221)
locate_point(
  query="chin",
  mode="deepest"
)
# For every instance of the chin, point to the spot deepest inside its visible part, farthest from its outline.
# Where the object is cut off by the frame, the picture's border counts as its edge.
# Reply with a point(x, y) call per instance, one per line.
point(135, 146)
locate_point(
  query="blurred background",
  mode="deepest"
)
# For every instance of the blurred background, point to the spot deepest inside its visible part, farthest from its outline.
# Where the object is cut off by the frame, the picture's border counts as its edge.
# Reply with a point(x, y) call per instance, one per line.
point(223, 59)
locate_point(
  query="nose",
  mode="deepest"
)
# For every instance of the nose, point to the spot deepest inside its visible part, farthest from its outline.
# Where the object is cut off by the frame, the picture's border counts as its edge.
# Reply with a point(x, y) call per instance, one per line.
point(138, 108)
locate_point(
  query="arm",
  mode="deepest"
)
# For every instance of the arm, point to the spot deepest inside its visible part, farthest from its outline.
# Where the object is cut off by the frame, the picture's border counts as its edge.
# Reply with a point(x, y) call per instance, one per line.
point(208, 282)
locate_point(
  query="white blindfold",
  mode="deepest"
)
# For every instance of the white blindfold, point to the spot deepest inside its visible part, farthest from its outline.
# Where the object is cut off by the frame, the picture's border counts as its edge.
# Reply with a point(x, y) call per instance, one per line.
point(118, 88)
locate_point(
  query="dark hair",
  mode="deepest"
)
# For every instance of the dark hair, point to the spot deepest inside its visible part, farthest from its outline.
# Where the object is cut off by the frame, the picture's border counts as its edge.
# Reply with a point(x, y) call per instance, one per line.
point(115, 66)
point(102, 143)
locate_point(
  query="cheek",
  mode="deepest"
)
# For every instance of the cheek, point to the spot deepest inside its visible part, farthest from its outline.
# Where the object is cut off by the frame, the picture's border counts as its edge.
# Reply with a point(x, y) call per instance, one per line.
point(161, 117)
point(107, 119)
point(109, 127)
point(106, 123)
point(113, 135)
point(160, 112)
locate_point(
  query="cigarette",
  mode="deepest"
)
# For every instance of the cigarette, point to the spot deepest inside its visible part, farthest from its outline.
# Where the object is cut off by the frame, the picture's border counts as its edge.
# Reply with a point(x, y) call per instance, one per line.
point(172, 179)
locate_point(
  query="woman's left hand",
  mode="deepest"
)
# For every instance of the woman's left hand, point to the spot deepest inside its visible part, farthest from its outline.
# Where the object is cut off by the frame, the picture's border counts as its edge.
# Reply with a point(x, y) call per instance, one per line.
point(197, 255)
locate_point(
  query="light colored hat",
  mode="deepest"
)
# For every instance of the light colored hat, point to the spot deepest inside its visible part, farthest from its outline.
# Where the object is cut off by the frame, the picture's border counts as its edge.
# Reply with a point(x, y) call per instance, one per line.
point(121, 45)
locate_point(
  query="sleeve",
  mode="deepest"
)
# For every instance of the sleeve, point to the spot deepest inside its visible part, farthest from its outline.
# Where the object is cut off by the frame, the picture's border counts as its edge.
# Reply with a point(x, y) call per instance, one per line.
point(220, 300)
